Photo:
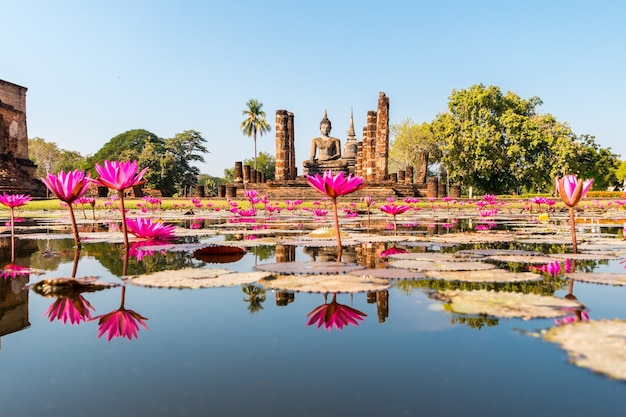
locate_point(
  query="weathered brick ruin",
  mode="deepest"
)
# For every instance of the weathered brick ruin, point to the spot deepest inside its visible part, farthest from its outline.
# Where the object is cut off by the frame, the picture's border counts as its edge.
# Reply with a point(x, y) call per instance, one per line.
point(16, 170)
point(367, 158)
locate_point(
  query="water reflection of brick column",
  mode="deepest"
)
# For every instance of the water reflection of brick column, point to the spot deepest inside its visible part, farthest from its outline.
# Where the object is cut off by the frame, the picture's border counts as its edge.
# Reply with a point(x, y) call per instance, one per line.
point(285, 253)
point(284, 298)
point(367, 254)
point(382, 302)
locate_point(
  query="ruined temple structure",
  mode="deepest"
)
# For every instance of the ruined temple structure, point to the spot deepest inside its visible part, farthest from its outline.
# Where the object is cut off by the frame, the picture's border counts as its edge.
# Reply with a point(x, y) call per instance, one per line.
point(16, 170)
point(367, 158)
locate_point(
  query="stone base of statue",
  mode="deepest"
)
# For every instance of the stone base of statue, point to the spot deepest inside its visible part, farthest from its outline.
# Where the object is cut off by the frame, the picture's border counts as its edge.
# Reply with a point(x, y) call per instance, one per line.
point(319, 167)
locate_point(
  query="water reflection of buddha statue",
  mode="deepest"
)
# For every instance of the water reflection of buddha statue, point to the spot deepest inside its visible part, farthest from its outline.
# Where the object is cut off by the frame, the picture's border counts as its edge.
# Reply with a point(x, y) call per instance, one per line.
point(325, 151)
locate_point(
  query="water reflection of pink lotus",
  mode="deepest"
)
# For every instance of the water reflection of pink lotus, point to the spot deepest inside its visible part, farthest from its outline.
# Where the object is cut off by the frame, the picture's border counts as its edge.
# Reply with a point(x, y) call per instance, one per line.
point(73, 309)
point(579, 315)
point(13, 270)
point(137, 248)
point(121, 322)
point(334, 314)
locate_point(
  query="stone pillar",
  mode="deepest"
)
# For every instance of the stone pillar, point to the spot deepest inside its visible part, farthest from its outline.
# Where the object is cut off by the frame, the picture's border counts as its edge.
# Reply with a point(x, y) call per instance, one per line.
point(455, 191)
point(381, 147)
point(401, 176)
point(432, 188)
point(231, 191)
point(292, 170)
point(246, 174)
point(422, 168)
point(200, 191)
point(441, 191)
point(221, 190)
point(283, 151)
point(358, 166)
point(369, 145)
point(238, 175)
point(408, 177)
point(393, 177)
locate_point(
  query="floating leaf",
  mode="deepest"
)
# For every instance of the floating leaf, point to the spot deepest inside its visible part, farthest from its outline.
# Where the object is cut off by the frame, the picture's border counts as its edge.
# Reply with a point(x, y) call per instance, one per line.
point(596, 345)
point(310, 267)
point(599, 256)
point(197, 278)
point(391, 273)
point(490, 275)
point(607, 278)
point(440, 266)
point(53, 287)
point(431, 256)
point(506, 304)
point(219, 254)
point(522, 259)
point(325, 283)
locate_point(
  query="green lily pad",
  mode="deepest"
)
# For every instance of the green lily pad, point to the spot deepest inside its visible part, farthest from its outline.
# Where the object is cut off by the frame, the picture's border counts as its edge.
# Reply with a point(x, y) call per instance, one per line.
point(596, 345)
point(522, 259)
point(506, 304)
point(325, 283)
point(391, 273)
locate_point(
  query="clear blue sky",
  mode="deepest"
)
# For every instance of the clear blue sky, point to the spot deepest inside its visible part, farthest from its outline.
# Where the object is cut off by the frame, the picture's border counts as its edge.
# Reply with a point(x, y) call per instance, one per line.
point(95, 69)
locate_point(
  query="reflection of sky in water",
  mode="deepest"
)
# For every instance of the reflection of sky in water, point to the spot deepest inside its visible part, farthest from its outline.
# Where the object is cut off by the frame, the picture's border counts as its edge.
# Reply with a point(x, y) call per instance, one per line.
point(205, 354)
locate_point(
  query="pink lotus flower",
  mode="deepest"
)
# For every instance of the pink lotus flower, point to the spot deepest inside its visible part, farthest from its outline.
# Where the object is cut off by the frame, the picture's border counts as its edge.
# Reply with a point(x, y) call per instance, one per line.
point(14, 200)
point(572, 190)
point(119, 175)
point(74, 309)
point(120, 323)
point(144, 228)
point(69, 186)
point(334, 314)
point(391, 251)
point(11, 201)
point(394, 210)
point(335, 186)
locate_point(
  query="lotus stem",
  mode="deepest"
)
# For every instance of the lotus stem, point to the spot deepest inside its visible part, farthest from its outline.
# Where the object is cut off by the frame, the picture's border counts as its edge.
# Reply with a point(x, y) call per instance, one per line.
point(572, 224)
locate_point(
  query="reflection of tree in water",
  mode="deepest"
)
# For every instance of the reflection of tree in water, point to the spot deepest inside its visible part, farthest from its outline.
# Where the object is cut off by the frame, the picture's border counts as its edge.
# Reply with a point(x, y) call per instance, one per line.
point(264, 252)
point(52, 253)
point(547, 286)
point(256, 297)
point(474, 322)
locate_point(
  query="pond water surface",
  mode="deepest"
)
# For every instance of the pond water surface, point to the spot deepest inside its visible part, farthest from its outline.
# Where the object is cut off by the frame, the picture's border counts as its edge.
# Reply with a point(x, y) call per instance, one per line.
point(244, 350)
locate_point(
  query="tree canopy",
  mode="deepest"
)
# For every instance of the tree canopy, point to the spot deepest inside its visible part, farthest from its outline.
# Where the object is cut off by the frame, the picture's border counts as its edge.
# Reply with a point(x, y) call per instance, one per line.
point(409, 140)
point(254, 123)
point(498, 143)
point(50, 158)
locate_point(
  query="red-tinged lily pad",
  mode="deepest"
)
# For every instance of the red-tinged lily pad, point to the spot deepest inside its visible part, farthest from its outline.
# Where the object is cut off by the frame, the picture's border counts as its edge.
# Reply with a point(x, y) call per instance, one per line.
point(328, 268)
point(505, 304)
point(196, 278)
point(218, 254)
point(439, 265)
point(490, 275)
point(596, 345)
point(325, 283)
point(607, 278)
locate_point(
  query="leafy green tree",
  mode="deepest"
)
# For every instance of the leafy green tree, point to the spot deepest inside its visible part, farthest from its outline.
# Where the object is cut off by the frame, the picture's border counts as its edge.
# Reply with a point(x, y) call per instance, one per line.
point(229, 175)
point(50, 158)
point(409, 141)
point(186, 147)
point(620, 173)
point(254, 123)
point(498, 143)
point(125, 146)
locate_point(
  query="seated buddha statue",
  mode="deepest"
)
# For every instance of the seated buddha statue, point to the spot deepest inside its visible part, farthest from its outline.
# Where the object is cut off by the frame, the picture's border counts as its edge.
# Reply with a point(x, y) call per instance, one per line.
point(325, 151)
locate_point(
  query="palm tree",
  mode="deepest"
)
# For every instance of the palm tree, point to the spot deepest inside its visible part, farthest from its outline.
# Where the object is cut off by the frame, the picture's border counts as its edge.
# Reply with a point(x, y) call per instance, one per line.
point(254, 122)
